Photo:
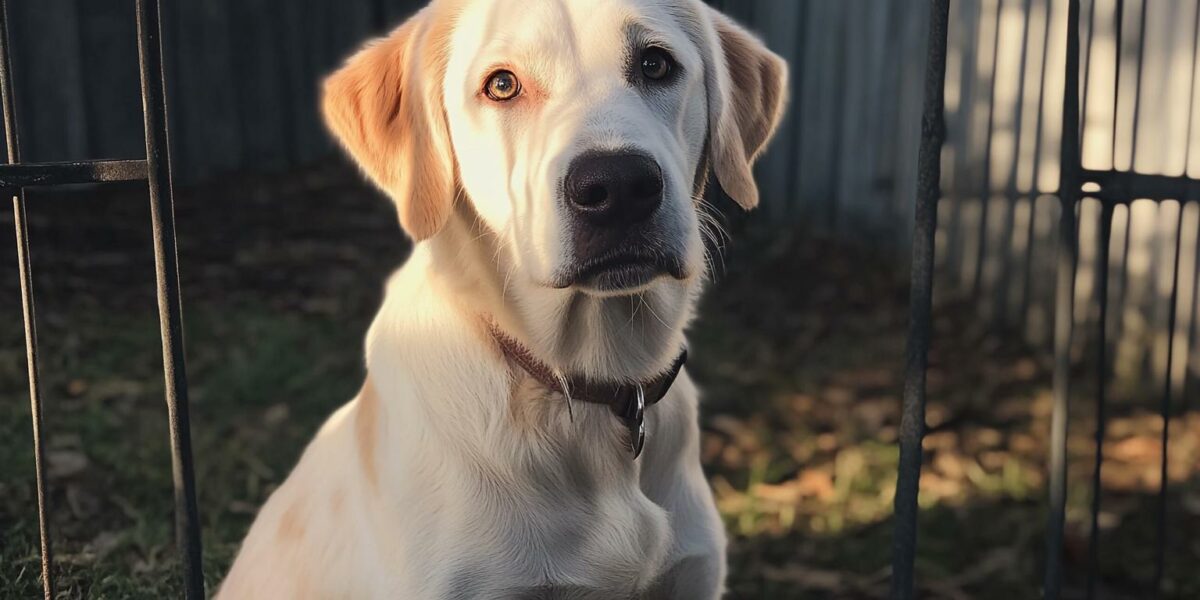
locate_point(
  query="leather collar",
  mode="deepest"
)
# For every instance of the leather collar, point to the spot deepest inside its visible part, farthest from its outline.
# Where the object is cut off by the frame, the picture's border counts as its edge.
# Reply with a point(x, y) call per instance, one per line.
point(627, 400)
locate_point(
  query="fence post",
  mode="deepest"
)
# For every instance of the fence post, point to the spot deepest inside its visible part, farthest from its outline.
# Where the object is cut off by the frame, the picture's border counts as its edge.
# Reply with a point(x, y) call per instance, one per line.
point(1069, 187)
point(170, 312)
point(920, 326)
point(24, 266)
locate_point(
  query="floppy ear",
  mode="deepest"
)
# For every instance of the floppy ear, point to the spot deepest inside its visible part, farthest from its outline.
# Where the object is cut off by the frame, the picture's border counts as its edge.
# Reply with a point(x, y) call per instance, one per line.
point(385, 107)
point(745, 106)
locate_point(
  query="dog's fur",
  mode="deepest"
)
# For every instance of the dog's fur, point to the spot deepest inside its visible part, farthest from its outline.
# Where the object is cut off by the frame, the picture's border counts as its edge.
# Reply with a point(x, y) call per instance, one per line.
point(454, 475)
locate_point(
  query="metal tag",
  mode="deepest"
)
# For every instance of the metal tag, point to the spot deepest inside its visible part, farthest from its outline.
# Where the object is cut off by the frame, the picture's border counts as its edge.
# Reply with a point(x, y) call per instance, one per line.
point(637, 424)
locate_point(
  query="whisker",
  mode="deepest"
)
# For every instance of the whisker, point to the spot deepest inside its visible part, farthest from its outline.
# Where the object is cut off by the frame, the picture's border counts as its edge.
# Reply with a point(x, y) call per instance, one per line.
point(654, 314)
point(714, 233)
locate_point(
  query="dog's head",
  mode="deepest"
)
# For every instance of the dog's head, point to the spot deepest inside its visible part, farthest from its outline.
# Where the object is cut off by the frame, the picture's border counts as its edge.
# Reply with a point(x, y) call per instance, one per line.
point(580, 131)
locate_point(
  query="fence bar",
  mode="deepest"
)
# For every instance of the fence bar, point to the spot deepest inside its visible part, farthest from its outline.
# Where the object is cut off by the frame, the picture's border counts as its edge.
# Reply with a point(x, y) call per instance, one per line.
point(170, 312)
point(1116, 95)
point(1011, 193)
point(1185, 404)
point(1034, 192)
point(1160, 552)
point(985, 195)
point(1064, 304)
point(24, 266)
point(1122, 187)
point(64, 173)
point(1102, 267)
point(920, 325)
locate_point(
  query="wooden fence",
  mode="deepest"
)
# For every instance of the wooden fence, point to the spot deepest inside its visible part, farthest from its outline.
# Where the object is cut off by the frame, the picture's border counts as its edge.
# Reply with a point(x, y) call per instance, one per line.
point(243, 77)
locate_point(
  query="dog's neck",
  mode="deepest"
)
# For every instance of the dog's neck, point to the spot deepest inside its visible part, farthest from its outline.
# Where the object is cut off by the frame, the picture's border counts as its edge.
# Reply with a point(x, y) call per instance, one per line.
point(621, 338)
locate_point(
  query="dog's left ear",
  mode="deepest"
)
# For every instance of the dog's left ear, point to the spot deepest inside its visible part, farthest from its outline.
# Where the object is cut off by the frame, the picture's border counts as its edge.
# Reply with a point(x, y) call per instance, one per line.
point(746, 108)
point(385, 107)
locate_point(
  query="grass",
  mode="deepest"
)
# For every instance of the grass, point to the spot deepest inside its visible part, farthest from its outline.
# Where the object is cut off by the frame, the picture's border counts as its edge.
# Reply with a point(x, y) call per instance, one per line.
point(798, 352)
point(253, 407)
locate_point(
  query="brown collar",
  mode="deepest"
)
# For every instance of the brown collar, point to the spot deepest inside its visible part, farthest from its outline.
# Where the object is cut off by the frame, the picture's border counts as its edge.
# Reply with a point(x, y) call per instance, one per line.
point(628, 401)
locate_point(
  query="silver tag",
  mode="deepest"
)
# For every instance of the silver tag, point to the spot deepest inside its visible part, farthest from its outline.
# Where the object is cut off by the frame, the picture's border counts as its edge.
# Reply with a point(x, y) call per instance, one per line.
point(637, 424)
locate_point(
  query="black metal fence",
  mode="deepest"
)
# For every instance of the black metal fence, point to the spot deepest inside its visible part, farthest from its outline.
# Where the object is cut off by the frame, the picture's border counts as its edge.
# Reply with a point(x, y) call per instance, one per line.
point(1111, 188)
point(155, 170)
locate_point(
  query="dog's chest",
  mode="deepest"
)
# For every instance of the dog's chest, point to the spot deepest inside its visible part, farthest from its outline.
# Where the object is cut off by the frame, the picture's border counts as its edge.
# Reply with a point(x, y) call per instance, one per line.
point(569, 554)
point(566, 522)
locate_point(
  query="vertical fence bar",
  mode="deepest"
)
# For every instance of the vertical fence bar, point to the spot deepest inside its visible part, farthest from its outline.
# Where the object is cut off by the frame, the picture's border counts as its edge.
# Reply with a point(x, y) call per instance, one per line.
point(1160, 551)
point(1188, 382)
point(1116, 97)
point(24, 266)
point(1035, 190)
point(1011, 193)
point(1064, 305)
point(1123, 286)
point(170, 312)
point(920, 325)
point(1102, 267)
point(985, 188)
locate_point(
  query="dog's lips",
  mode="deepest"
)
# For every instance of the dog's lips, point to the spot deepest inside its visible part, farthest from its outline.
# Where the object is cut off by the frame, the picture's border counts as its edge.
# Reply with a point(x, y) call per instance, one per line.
point(622, 271)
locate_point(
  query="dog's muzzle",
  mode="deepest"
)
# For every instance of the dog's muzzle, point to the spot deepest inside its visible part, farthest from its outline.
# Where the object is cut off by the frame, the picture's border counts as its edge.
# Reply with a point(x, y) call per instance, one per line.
point(613, 200)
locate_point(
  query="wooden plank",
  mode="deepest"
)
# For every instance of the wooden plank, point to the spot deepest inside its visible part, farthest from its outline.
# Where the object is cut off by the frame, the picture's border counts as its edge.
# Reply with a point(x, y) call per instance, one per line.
point(776, 24)
point(303, 80)
point(47, 68)
point(108, 39)
point(205, 103)
point(169, 15)
point(350, 24)
point(259, 83)
point(395, 12)
point(850, 130)
point(814, 167)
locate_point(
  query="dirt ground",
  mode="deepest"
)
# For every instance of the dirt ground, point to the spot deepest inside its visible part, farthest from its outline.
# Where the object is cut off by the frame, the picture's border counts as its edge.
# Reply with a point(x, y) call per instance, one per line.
point(798, 350)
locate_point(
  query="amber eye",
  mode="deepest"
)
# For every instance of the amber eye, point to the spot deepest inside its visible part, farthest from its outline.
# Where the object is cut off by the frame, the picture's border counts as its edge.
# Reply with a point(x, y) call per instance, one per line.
point(502, 86)
point(656, 64)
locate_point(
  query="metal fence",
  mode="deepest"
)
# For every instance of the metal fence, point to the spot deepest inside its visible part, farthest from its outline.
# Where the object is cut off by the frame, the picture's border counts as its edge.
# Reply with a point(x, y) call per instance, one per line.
point(155, 170)
point(1112, 188)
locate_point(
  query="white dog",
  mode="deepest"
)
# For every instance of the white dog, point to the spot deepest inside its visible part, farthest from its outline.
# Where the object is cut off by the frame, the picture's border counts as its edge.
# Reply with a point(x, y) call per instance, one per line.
point(548, 157)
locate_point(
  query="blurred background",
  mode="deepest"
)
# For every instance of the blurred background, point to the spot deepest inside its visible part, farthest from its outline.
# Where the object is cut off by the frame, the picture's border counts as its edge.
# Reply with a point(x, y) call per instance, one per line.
point(799, 348)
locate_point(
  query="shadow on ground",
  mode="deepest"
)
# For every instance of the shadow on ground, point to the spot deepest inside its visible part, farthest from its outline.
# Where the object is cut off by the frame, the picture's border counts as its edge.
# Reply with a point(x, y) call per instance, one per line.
point(798, 349)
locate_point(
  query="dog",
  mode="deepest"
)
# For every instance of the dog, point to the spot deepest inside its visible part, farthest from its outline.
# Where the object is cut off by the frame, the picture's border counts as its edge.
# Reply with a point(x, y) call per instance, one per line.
point(527, 428)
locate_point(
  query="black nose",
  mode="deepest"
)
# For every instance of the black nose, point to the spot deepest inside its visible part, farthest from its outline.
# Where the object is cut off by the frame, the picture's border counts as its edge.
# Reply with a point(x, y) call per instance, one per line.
point(614, 189)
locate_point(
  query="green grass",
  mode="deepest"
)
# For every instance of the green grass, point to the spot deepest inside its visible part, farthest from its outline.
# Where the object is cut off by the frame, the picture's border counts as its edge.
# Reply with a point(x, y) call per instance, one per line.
point(798, 352)
point(261, 383)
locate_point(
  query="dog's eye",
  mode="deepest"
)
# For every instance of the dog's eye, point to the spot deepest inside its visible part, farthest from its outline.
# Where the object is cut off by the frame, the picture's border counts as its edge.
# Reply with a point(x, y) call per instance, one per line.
point(502, 86)
point(656, 64)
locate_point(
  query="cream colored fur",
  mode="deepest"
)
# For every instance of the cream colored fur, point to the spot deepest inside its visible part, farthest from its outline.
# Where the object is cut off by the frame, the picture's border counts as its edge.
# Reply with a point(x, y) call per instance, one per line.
point(453, 475)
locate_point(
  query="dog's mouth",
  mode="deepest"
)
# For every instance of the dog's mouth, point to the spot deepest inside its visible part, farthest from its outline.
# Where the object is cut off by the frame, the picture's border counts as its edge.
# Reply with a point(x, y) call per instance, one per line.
point(624, 270)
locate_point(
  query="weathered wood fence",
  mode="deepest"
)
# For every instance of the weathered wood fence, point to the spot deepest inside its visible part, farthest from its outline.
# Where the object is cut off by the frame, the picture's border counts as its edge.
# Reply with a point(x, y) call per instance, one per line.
point(243, 77)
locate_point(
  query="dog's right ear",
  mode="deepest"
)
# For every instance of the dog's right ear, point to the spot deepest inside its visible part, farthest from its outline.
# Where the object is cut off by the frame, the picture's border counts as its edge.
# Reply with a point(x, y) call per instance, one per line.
point(385, 107)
